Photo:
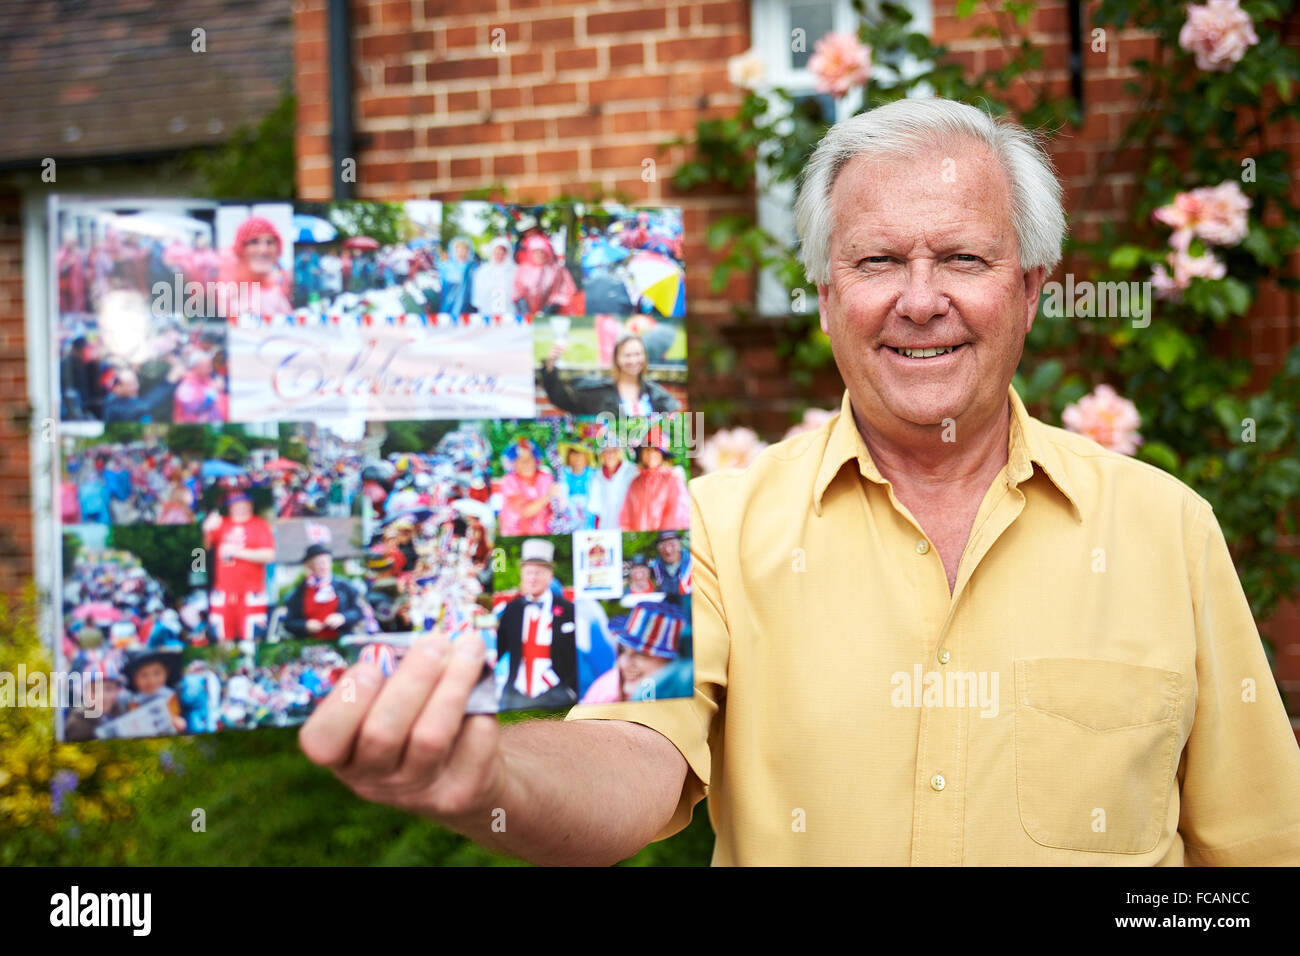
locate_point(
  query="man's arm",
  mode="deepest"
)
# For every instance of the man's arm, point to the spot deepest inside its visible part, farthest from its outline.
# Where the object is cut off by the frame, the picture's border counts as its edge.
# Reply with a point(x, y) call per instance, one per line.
point(590, 792)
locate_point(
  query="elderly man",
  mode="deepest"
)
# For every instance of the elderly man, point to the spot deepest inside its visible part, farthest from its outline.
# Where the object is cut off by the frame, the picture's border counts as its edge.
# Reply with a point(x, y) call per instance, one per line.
point(903, 616)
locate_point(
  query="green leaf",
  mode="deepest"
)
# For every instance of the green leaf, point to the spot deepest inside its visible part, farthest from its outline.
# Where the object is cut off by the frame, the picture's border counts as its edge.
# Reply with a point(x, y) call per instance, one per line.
point(1126, 258)
point(1236, 295)
point(1160, 455)
point(965, 8)
point(1258, 244)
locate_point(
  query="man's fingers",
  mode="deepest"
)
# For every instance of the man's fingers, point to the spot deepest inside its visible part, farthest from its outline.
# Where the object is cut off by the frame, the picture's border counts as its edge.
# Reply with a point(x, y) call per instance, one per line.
point(330, 733)
point(440, 722)
point(383, 736)
point(471, 773)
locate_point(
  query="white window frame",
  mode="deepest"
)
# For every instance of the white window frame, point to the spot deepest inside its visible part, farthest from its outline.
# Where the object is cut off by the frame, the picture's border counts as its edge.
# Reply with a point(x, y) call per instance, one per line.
point(771, 30)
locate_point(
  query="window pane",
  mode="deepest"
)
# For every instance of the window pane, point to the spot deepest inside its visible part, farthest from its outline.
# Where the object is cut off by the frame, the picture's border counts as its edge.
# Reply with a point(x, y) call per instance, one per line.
point(816, 20)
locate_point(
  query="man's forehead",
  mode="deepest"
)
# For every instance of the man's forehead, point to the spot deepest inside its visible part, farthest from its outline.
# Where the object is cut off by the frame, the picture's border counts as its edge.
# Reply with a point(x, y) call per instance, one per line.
point(949, 193)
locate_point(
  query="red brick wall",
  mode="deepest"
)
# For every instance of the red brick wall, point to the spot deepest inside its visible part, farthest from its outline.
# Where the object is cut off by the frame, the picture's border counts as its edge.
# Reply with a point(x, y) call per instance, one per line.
point(15, 463)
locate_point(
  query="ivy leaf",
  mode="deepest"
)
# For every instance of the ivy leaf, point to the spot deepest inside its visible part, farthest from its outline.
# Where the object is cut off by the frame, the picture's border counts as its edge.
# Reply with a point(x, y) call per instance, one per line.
point(1258, 245)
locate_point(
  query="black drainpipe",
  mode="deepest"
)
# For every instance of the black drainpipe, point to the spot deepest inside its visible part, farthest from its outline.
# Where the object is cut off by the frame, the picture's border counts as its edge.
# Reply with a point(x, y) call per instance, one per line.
point(1076, 52)
point(342, 145)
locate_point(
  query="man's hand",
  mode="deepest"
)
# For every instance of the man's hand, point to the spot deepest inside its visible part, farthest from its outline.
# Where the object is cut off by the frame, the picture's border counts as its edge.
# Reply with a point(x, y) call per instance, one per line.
point(554, 355)
point(407, 741)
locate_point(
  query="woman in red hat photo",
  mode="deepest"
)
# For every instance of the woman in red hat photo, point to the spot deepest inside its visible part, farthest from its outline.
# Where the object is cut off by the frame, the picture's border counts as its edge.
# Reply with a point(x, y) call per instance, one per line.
point(250, 271)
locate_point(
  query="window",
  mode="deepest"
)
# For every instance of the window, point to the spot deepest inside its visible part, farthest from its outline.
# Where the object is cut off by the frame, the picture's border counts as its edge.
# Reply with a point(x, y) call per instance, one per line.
point(785, 54)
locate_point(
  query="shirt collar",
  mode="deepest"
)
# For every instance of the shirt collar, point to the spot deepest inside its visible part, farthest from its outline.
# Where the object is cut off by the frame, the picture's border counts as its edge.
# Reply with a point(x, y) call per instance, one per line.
point(1027, 446)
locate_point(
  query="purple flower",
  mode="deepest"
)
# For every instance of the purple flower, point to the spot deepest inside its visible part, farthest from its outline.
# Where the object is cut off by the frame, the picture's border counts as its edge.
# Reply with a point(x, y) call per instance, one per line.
point(63, 783)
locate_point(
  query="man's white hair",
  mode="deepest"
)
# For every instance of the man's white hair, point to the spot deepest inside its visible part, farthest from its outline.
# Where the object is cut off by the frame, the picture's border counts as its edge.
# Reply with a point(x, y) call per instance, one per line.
point(900, 130)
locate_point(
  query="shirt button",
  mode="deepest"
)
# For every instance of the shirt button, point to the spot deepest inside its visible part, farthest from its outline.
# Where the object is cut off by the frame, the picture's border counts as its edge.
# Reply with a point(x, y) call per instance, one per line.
point(937, 781)
point(944, 656)
point(922, 546)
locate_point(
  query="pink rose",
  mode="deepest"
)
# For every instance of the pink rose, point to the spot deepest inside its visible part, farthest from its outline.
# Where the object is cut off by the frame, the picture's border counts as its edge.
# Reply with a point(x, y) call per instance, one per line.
point(1218, 33)
point(729, 448)
point(813, 419)
point(1186, 268)
point(1107, 418)
point(1218, 215)
point(840, 62)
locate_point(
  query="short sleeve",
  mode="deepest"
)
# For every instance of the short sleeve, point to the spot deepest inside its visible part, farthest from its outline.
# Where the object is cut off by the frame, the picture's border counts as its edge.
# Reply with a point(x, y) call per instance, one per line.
point(690, 724)
point(1240, 794)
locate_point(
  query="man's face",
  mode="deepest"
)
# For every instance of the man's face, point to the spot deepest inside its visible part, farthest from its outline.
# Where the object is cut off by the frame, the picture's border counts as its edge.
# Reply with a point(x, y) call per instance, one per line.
point(923, 254)
point(534, 579)
point(320, 565)
point(241, 511)
point(461, 252)
point(670, 549)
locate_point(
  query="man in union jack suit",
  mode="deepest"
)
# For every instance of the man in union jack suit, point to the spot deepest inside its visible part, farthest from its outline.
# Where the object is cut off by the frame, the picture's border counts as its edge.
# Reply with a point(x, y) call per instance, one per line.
point(672, 568)
point(537, 631)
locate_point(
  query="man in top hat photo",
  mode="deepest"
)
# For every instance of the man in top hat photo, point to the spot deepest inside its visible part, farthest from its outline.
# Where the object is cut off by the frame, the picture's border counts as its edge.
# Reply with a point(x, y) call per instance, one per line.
point(244, 545)
point(537, 631)
point(649, 640)
point(672, 567)
point(322, 607)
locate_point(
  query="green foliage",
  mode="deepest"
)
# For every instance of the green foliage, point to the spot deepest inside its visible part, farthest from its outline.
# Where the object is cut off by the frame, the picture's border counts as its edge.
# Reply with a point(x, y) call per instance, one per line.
point(166, 553)
point(257, 162)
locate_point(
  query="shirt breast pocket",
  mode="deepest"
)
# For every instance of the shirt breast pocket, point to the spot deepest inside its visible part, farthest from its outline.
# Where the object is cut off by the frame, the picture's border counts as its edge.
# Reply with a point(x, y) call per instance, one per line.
point(1096, 752)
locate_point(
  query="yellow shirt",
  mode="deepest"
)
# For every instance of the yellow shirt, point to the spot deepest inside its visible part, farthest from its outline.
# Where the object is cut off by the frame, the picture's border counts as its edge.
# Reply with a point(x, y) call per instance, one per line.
point(1093, 692)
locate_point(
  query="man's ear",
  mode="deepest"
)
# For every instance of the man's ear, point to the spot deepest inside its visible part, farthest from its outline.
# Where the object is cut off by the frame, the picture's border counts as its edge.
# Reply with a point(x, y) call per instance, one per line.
point(823, 306)
point(1033, 289)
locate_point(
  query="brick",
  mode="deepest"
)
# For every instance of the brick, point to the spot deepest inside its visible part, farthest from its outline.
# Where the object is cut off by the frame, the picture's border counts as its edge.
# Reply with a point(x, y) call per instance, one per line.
point(726, 13)
point(525, 130)
point(550, 94)
point(553, 30)
point(386, 44)
point(645, 87)
point(475, 68)
point(399, 75)
point(622, 157)
point(469, 134)
point(374, 106)
point(699, 48)
point(583, 126)
point(440, 9)
point(507, 165)
point(626, 54)
point(468, 168)
point(585, 58)
point(461, 37)
point(635, 121)
point(505, 98)
point(558, 161)
point(394, 139)
point(525, 63)
point(627, 21)
point(396, 14)
point(427, 169)
point(460, 101)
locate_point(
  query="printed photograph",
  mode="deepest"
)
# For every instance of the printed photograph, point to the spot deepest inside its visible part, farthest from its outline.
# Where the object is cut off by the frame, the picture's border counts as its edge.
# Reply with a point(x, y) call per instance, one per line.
point(605, 364)
point(378, 257)
point(632, 261)
point(256, 259)
point(548, 273)
point(128, 364)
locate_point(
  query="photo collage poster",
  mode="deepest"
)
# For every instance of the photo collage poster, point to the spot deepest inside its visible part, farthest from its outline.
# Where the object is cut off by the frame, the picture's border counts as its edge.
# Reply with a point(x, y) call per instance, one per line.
point(293, 436)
